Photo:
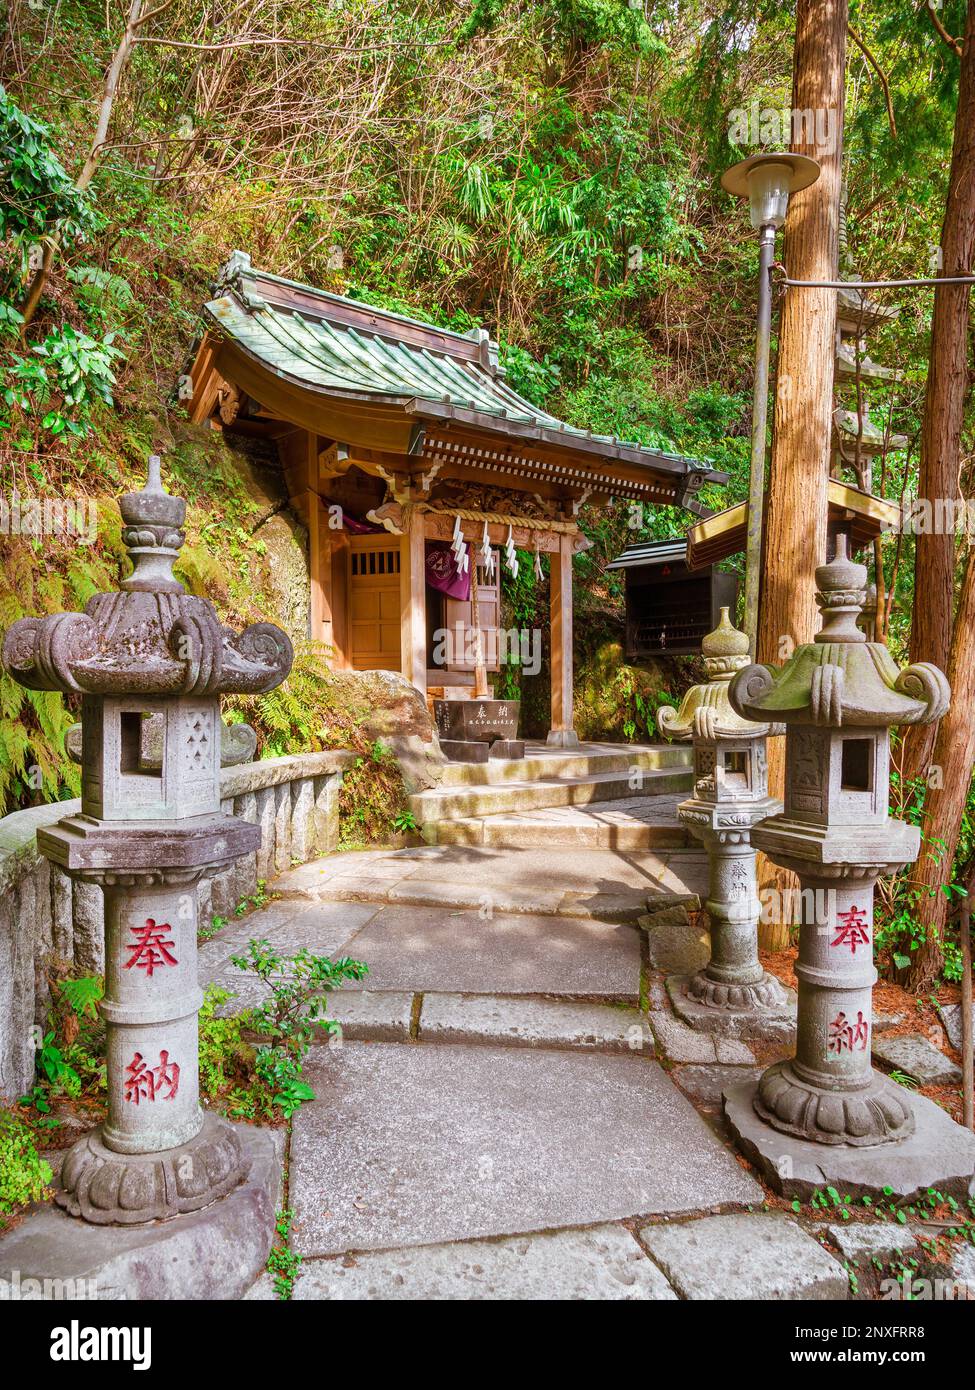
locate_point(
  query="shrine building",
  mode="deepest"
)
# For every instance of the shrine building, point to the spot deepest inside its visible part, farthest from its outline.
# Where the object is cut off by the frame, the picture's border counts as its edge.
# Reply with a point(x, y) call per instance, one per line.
point(414, 466)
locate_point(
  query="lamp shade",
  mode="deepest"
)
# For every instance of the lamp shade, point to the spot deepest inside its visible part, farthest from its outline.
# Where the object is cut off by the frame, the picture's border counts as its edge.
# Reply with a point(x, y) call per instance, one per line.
point(767, 181)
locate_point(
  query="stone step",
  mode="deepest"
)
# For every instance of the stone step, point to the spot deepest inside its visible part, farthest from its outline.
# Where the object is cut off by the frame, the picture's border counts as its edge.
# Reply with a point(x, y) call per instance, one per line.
point(626, 905)
point(501, 1020)
point(602, 883)
point(547, 763)
point(630, 826)
point(574, 1022)
point(430, 808)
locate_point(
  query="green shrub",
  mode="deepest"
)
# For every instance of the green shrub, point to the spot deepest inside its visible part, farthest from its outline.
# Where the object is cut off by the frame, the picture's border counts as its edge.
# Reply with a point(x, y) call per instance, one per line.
point(24, 1175)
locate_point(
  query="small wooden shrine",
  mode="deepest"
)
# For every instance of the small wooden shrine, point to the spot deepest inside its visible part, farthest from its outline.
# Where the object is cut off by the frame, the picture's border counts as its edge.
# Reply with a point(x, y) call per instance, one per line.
point(413, 465)
point(670, 609)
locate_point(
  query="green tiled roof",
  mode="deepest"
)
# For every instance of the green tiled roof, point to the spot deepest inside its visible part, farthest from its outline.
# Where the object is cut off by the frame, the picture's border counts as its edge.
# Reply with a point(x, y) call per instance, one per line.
point(335, 345)
point(337, 357)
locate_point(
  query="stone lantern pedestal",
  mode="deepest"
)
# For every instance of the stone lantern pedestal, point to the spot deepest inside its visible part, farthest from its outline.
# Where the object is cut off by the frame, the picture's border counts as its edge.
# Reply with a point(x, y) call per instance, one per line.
point(733, 994)
point(825, 1115)
point(150, 663)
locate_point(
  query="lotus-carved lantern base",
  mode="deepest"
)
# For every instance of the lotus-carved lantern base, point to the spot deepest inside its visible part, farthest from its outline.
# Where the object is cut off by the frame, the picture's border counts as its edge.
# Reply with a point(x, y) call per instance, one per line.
point(878, 1112)
point(110, 1188)
point(762, 1008)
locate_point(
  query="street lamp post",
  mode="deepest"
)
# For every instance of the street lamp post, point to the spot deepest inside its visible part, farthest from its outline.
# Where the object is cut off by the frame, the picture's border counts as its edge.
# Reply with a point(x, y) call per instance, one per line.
point(766, 180)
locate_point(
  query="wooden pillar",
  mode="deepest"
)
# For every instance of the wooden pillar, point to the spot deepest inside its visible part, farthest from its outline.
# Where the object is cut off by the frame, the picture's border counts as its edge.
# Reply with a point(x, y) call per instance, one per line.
point(339, 557)
point(413, 602)
point(562, 734)
point(320, 616)
point(320, 574)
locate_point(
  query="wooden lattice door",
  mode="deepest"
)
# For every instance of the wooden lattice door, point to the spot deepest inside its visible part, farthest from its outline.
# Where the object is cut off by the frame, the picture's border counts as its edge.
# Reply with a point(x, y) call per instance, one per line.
point(374, 603)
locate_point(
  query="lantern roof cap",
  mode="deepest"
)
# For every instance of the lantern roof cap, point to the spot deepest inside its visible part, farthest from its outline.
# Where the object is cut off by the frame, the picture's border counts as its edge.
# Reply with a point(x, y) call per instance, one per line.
point(705, 711)
point(149, 638)
point(840, 678)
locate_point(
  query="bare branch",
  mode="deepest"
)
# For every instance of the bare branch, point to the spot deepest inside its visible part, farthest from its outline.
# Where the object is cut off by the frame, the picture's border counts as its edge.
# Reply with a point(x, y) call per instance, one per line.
point(881, 75)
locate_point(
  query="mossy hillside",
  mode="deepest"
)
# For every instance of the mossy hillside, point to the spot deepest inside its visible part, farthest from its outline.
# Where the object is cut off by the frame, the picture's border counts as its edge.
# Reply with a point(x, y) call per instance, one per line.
point(226, 559)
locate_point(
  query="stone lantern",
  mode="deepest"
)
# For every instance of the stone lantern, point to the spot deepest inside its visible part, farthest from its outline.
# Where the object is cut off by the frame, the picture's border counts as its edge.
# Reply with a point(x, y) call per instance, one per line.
point(733, 994)
point(149, 829)
point(838, 698)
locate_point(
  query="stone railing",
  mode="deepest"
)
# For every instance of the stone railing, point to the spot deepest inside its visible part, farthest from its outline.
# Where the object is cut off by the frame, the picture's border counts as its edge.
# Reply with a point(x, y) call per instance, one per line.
point(44, 915)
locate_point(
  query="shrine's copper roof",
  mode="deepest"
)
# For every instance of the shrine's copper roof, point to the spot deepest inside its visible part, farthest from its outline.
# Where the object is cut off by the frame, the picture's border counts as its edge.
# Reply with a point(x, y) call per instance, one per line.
point(372, 363)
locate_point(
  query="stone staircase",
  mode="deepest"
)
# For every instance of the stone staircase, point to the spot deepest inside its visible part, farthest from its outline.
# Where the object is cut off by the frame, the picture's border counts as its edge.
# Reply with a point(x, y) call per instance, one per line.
point(604, 795)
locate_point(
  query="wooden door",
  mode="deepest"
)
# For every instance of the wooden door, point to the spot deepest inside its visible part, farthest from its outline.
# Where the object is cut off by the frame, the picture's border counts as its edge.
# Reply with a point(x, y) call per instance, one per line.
point(374, 603)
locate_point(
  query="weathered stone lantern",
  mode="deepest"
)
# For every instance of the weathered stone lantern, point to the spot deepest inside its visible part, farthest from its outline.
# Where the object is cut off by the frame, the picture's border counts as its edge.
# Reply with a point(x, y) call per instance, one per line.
point(838, 697)
point(733, 994)
point(150, 828)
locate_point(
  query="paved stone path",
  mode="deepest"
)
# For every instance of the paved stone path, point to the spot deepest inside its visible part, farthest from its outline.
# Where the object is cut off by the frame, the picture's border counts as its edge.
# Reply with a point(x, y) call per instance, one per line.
point(513, 1110)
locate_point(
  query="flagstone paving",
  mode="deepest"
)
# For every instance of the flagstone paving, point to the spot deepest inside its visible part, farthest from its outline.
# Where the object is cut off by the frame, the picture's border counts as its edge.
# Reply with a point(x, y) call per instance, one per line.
point(603, 1262)
point(499, 1117)
point(754, 1256)
point(410, 947)
point(423, 1144)
point(530, 880)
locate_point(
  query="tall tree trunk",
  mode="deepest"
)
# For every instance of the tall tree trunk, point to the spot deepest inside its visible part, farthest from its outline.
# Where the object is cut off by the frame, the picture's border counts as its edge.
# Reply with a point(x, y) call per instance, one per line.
point(944, 404)
point(954, 754)
point(799, 470)
point(951, 750)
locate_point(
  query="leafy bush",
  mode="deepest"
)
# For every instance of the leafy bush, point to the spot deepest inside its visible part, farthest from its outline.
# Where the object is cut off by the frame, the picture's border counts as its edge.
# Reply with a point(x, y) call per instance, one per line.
point(37, 196)
point(24, 1175)
point(264, 1081)
point(70, 1060)
point(294, 1010)
point(77, 373)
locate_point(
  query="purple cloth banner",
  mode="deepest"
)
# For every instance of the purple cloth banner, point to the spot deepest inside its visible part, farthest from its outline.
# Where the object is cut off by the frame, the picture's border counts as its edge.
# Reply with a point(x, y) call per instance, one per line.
point(355, 527)
point(442, 572)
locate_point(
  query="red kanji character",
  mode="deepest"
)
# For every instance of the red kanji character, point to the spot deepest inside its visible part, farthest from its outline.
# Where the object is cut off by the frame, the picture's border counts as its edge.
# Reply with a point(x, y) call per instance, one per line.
point(139, 1081)
point(166, 1074)
point(844, 1035)
point(854, 930)
point(149, 949)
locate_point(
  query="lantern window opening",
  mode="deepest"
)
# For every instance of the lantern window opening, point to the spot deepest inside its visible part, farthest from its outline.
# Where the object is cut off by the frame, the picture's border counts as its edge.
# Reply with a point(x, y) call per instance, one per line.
point(131, 763)
point(735, 767)
point(856, 765)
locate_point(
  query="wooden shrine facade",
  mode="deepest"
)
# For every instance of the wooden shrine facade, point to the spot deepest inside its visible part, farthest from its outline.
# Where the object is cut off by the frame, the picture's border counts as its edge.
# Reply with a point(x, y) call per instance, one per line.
point(388, 430)
point(669, 608)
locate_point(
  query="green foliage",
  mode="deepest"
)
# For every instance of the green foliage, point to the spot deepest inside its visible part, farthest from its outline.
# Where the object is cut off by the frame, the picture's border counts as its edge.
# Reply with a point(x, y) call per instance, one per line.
point(100, 289)
point(78, 372)
point(37, 197)
point(283, 1263)
point(70, 1060)
point(82, 995)
point(903, 921)
point(24, 1175)
point(372, 799)
point(226, 1061)
point(290, 1017)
